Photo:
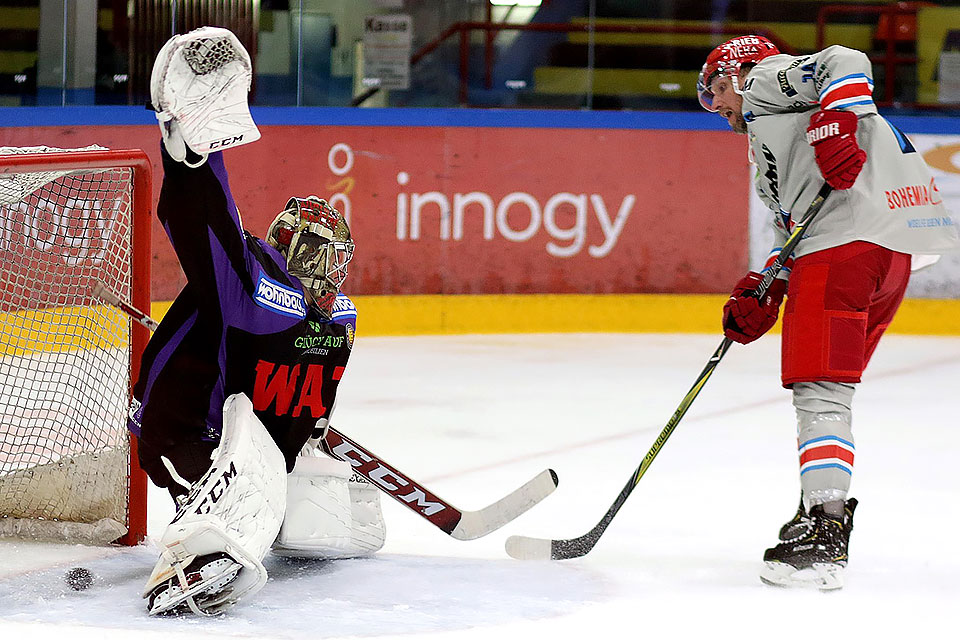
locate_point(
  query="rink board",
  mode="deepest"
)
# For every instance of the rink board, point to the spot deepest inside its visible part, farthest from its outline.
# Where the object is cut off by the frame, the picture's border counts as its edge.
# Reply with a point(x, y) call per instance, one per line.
point(496, 220)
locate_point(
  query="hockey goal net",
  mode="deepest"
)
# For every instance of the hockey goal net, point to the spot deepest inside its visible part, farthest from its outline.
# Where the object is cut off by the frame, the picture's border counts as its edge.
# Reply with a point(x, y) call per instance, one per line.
point(70, 220)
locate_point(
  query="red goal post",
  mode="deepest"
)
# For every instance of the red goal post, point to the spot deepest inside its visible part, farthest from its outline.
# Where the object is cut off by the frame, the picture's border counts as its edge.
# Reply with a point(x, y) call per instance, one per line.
point(67, 359)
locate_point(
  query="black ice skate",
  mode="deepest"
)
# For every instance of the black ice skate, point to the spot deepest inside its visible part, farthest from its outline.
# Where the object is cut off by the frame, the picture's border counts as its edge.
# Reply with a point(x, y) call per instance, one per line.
point(797, 525)
point(207, 587)
point(813, 551)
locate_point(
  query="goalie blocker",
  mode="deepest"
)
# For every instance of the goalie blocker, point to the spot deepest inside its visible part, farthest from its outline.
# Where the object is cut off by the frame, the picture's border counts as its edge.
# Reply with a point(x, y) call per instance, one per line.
point(332, 512)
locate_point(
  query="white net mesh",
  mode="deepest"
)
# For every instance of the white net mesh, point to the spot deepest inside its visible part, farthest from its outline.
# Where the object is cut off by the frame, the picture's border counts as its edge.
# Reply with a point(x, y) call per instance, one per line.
point(64, 355)
point(17, 186)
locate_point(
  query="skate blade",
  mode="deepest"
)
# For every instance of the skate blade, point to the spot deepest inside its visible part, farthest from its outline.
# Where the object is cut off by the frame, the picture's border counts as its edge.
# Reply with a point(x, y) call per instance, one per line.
point(167, 602)
point(822, 576)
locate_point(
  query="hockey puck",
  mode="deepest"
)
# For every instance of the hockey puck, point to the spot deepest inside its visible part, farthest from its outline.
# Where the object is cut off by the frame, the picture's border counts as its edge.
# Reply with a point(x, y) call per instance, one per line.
point(79, 578)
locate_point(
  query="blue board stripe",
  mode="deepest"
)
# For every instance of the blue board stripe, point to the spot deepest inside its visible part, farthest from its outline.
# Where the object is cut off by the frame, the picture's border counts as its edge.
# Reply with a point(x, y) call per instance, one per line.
point(411, 117)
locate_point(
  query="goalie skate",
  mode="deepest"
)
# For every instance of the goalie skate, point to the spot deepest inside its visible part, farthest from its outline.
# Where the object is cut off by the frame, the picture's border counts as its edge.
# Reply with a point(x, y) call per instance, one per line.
point(199, 88)
point(202, 587)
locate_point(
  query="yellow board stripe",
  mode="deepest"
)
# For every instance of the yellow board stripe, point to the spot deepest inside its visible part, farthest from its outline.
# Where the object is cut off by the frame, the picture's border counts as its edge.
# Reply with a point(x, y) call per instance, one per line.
point(29, 18)
point(615, 82)
point(17, 61)
point(562, 313)
point(20, 17)
point(75, 327)
point(558, 313)
point(61, 329)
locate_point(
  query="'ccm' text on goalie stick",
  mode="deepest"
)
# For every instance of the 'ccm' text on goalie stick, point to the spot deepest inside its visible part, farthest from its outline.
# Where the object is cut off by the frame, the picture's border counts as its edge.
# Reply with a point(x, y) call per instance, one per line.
point(459, 524)
point(526, 548)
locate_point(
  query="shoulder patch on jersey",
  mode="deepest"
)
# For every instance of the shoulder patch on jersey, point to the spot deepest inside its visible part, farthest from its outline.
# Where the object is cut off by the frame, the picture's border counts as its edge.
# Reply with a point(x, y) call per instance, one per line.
point(279, 298)
point(343, 310)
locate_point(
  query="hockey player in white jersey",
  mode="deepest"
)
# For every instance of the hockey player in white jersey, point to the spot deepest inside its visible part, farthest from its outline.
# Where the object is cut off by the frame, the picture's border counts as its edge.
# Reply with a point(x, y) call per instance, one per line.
point(811, 119)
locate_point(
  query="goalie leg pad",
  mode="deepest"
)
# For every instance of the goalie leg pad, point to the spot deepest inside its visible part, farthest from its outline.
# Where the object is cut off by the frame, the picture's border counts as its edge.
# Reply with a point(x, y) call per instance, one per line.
point(199, 87)
point(330, 513)
point(235, 509)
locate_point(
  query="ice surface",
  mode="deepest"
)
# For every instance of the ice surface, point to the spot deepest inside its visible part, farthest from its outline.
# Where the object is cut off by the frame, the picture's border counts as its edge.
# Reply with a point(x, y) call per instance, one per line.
point(472, 417)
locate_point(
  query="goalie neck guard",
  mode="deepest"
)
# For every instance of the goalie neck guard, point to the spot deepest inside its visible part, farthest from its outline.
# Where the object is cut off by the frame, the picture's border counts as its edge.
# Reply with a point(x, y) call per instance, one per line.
point(726, 60)
point(315, 240)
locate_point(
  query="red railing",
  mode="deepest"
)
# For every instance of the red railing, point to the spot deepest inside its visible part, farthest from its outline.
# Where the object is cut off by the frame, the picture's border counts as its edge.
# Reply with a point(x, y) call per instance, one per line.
point(463, 29)
point(890, 59)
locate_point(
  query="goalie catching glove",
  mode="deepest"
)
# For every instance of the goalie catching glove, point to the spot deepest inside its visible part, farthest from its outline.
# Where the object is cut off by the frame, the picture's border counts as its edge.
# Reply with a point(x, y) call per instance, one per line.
point(199, 88)
point(746, 317)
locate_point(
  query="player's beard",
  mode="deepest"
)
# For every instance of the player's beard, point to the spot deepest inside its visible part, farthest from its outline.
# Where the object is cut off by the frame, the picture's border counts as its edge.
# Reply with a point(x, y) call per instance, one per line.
point(739, 125)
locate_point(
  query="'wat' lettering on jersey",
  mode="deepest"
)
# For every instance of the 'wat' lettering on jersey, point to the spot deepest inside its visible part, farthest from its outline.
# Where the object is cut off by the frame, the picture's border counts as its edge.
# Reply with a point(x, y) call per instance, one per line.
point(277, 385)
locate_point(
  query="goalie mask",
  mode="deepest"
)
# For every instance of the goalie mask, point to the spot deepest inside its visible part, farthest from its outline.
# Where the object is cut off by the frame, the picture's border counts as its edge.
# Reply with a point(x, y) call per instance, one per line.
point(725, 62)
point(315, 240)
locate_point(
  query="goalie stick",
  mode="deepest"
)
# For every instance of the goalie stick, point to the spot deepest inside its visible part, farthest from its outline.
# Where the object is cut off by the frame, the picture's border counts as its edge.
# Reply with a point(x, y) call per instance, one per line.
point(457, 523)
point(527, 548)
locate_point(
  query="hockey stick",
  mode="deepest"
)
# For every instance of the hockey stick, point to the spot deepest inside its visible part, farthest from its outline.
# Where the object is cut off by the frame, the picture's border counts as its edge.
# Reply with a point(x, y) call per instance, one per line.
point(527, 548)
point(101, 291)
point(459, 524)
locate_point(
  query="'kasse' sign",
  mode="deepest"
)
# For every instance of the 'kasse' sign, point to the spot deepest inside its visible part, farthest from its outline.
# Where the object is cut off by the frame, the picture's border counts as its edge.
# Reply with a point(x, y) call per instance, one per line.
point(387, 41)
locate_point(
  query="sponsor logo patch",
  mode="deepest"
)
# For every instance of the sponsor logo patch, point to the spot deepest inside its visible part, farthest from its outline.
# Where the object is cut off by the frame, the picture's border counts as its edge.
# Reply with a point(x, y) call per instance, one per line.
point(343, 307)
point(917, 195)
point(279, 298)
point(135, 415)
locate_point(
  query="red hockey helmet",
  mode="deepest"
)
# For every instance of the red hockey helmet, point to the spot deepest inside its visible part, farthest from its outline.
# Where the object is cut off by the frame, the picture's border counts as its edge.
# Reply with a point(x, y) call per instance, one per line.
point(726, 60)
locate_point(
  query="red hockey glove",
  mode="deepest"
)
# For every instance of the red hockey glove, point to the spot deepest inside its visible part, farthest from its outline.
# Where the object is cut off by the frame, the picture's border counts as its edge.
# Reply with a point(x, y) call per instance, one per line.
point(832, 134)
point(745, 317)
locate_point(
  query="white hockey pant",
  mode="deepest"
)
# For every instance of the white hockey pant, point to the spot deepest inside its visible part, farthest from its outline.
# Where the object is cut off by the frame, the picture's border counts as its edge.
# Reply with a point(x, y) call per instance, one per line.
point(236, 508)
point(825, 439)
point(331, 512)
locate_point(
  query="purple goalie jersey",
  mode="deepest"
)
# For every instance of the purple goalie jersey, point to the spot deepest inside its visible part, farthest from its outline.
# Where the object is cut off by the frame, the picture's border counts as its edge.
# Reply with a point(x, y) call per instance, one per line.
point(240, 325)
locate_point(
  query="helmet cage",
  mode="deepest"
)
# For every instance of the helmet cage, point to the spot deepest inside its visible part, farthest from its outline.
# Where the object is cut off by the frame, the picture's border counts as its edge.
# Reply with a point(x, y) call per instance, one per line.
point(320, 264)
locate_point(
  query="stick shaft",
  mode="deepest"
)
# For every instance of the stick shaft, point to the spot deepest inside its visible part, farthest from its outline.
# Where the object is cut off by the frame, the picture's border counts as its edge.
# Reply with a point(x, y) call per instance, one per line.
point(102, 292)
